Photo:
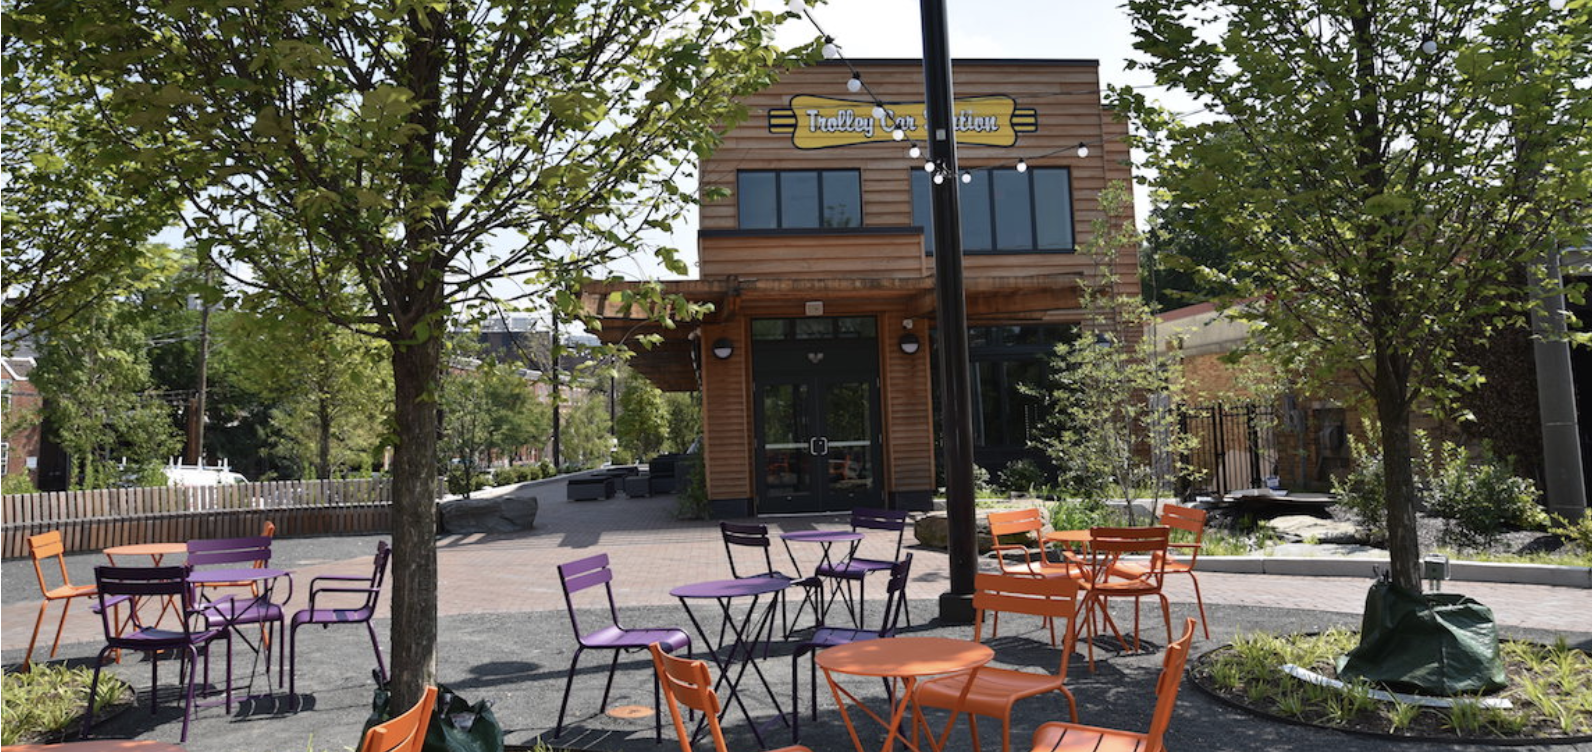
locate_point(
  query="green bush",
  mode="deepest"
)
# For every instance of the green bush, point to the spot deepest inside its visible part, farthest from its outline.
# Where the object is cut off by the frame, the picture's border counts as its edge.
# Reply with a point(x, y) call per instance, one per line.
point(544, 469)
point(460, 482)
point(1578, 533)
point(1361, 490)
point(1478, 500)
point(1082, 515)
point(17, 483)
point(48, 701)
point(1021, 476)
point(691, 499)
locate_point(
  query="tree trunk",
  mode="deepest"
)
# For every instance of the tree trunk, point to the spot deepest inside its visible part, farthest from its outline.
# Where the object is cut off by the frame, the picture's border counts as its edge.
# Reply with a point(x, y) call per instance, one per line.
point(1398, 475)
point(414, 523)
point(323, 460)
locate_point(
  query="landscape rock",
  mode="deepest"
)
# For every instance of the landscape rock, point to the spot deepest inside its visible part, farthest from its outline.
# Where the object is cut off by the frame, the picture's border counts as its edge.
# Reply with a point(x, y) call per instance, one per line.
point(1300, 528)
point(932, 530)
point(498, 514)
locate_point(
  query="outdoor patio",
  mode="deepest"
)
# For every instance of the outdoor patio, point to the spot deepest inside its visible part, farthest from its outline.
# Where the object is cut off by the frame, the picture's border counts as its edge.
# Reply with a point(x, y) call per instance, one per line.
point(505, 638)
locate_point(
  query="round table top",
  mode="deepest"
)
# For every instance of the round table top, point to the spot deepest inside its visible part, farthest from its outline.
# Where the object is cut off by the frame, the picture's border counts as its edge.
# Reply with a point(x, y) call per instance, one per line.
point(822, 536)
point(731, 588)
point(241, 574)
point(905, 656)
point(1069, 536)
point(100, 745)
point(147, 549)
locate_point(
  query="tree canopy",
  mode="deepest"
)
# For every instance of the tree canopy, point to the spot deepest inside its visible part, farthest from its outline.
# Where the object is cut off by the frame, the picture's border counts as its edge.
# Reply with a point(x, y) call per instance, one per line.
point(421, 150)
point(1384, 172)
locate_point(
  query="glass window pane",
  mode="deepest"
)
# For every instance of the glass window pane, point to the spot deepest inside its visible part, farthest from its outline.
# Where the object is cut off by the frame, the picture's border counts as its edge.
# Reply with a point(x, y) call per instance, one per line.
point(975, 214)
point(920, 208)
point(815, 328)
point(1014, 229)
point(766, 329)
point(855, 327)
point(842, 198)
point(1053, 205)
point(798, 199)
point(758, 208)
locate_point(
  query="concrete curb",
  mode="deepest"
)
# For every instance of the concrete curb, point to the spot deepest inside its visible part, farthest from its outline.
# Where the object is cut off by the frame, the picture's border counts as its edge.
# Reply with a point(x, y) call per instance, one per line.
point(1365, 566)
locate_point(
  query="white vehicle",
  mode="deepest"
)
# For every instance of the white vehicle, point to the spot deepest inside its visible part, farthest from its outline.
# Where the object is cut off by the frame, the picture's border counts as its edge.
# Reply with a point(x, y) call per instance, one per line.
point(202, 475)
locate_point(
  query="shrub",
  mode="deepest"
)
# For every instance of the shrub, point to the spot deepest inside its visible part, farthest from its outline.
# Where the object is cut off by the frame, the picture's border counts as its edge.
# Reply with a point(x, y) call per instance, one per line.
point(1021, 476)
point(1578, 533)
point(691, 500)
point(544, 469)
point(461, 482)
point(1082, 515)
point(1477, 500)
point(17, 483)
point(1361, 490)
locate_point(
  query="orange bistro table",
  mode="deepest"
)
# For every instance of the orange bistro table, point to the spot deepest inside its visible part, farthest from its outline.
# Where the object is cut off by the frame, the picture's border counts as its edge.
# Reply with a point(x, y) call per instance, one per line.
point(901, 661)
point(98, 745)
point(156, 552)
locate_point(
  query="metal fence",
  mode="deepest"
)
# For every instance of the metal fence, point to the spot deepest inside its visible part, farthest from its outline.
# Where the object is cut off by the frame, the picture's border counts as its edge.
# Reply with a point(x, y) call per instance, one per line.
point(1236, 446)
point(93, 520)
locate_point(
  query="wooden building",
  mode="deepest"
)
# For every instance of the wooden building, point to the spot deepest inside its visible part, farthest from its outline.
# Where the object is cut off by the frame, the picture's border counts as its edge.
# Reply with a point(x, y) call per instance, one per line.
point(815, 366)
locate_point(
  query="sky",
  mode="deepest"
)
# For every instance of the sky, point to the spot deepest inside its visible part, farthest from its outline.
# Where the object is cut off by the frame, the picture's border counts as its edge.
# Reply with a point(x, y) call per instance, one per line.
point(1047, 29)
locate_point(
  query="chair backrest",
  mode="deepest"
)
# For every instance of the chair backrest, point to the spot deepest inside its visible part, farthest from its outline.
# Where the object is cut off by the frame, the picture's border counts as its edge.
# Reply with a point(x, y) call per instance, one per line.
point(405, 733)
point(140, 582)
point(688, 682)
point(1166, 687)
point(1047, 597)
point(583, 574)
point(748, 536)
point(1109, 544)
point(378, 575)
point(45, 546)
point(888, 520)
point(1014, 522)
point(254, 551)
point(895, 601)
point(1189, 520)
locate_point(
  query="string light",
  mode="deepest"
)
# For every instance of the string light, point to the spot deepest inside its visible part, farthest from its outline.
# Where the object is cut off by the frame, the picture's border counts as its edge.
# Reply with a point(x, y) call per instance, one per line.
point(1556, 4)
point(855, 84)
point(1083, 149)
point(928, 166)
point(831, 50)
point(939, 177)
point(1022, 165)
point(1429, 46)
point(898, 134)
point(967, 177)
point(798, 7)
point(914, 152)
point(879, 114)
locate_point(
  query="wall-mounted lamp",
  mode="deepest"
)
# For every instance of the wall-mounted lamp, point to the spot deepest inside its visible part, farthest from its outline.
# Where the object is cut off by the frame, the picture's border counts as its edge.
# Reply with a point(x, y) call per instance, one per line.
point(909, 343)
point(723, 348)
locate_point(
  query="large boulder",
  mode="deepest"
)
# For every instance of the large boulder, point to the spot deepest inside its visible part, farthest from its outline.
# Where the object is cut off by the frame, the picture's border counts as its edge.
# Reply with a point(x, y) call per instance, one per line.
point(497, 514)
point(1300, 528)
point(933, 530)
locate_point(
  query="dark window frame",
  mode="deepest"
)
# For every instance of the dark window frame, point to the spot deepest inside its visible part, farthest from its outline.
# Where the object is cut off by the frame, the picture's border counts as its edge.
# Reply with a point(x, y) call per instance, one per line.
point(779, 199)
point(920, 178)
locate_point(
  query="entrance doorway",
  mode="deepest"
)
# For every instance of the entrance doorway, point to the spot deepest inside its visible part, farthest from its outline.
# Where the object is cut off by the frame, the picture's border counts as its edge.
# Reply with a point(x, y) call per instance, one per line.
point(816, 391)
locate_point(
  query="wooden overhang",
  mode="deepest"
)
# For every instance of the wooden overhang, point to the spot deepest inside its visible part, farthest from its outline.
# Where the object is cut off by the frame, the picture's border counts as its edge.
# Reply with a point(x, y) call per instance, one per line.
point(670, 366)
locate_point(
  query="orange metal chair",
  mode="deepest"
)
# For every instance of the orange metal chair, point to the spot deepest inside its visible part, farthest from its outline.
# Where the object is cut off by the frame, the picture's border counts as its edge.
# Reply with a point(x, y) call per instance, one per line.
point(689, 682)
point(43, 547)
point(405, 733)
point(1059, 736)
point(995, 690)
point(1191, 521)
point(1108, 576)
point(1031, 561)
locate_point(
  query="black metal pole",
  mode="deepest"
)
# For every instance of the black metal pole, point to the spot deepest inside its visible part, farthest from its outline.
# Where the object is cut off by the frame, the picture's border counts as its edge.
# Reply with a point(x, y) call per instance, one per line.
point(956, 400)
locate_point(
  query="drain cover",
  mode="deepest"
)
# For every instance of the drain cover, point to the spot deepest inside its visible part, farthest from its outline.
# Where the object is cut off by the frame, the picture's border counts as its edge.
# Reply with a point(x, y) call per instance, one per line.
point(630, 711)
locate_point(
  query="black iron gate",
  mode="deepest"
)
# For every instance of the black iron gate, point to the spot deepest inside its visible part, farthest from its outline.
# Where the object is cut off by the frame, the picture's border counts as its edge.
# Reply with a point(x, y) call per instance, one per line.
point(1236, 447)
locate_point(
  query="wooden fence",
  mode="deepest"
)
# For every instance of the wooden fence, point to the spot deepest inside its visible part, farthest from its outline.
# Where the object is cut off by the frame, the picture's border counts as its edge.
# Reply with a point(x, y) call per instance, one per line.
point(94, 520)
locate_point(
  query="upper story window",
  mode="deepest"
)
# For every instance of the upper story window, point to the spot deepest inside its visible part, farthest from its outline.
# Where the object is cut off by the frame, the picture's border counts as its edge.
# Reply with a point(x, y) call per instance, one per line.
point(1006, 211)
point(790, 199)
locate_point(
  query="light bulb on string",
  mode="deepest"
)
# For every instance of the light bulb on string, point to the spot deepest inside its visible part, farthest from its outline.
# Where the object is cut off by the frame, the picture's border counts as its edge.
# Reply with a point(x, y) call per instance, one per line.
point(1556, 4)
point(798, 7)
point(914, 152)
point(928, 166)
point(939, 178)
point(1083, 150)
point(1022, 165)
point(967, 177)
point(898, 134)
point(1429, 46)
point(831, 50)
point(855, 84)
point(879, 114)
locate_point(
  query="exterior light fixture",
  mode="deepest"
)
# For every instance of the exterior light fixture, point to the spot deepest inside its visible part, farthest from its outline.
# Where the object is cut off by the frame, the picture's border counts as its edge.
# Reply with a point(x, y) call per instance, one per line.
point(928, 166)
point(898, 134)
point(967, 177)
point(855, 84)
point(909, 343)
point(723, 348)
point(1083, 150)
point(939, 177)
point(879, 114)
point(1022, 165)
point(914, 152)
point(831, 51)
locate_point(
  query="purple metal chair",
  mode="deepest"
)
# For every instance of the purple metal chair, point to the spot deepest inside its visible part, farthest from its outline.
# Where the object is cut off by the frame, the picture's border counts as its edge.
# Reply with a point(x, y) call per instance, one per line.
point(235, 610)
point(347, 586)
point(115, 583)
point(894, 605)
point(856, 568)
point(590, 572)
point(742, 535)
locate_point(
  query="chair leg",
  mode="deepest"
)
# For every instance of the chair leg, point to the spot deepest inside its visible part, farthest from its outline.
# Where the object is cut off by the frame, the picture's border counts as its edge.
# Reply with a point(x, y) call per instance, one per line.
point(380, 665)
point(292, 664)
point(569, 682)
point(1166, 614)
point(1201, 601)
point(613, 666)
point(27, 660)
point(60, 624)
point(93, 688)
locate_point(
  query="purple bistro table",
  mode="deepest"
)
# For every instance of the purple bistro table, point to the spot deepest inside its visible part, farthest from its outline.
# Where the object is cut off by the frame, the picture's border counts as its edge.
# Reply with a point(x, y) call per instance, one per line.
point(826, 539)
point(234, 611)
point(744, 635)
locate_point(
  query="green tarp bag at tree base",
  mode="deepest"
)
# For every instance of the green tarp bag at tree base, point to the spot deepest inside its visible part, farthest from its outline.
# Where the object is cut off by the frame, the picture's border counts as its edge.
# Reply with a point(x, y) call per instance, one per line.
point(1441, 644)
point(455, 726)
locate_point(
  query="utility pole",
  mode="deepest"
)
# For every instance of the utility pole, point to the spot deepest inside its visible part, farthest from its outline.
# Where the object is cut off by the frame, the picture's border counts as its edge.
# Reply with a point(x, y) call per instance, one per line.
point(552, 371)
point(1561, 440)
point(956, 605)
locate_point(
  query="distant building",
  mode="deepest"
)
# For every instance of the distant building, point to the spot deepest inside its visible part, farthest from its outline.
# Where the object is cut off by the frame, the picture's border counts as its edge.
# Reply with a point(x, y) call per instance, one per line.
point(23, 438)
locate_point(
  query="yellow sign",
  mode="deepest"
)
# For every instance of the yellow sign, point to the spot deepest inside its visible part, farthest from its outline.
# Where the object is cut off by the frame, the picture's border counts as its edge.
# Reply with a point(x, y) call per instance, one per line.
point(825, 122)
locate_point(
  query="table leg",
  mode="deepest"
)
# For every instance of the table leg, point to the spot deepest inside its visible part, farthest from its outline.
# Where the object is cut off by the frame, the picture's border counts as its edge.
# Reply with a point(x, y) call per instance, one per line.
point(730, 676)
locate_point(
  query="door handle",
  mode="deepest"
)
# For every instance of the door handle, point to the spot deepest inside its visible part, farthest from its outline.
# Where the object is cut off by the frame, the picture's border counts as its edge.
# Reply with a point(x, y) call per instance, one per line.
point(818, 445)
